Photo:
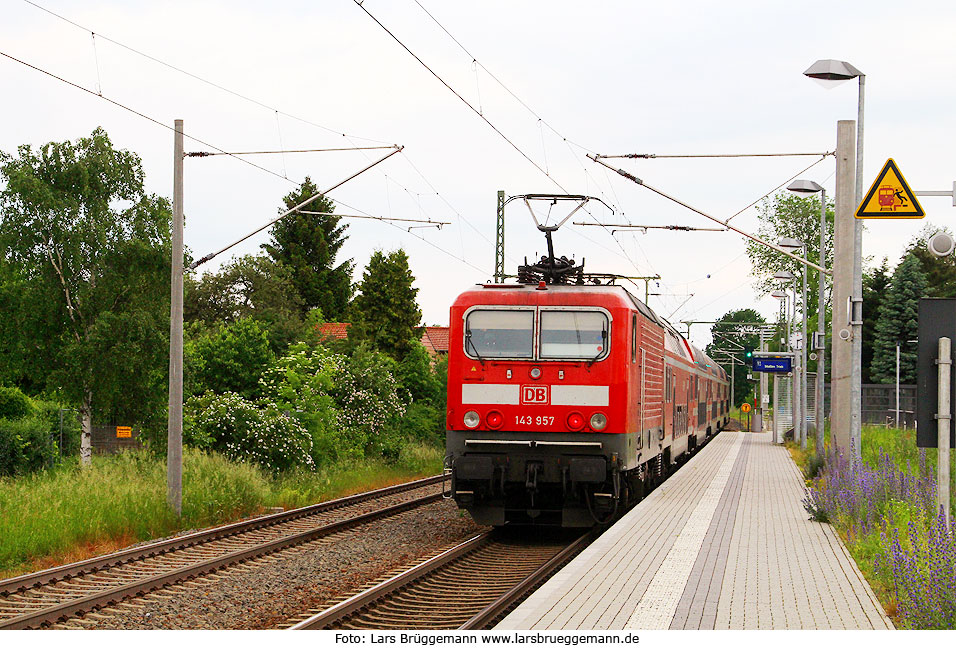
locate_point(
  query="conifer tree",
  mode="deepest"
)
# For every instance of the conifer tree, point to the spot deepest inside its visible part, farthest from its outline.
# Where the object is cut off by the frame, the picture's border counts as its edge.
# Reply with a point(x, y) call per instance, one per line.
point(897, 321)
point(875, 283)
point(307, 244)
point(386, 312)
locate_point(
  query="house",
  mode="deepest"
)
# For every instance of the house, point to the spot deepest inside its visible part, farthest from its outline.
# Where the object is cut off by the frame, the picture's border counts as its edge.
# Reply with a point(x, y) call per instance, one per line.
point(334, 330)
point(435, 340)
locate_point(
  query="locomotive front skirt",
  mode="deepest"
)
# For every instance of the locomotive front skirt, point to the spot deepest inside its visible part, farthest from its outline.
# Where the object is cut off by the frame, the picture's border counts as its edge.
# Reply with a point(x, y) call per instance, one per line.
point(567, 403)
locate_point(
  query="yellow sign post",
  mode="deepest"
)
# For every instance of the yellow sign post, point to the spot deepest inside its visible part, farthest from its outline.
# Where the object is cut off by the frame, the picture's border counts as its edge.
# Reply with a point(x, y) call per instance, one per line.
point(890, 197)
point(124, 431)
point(745, 407)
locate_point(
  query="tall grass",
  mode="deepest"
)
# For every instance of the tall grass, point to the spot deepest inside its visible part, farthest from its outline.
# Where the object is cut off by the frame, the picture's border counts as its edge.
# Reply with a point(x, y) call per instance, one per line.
point(67, 513)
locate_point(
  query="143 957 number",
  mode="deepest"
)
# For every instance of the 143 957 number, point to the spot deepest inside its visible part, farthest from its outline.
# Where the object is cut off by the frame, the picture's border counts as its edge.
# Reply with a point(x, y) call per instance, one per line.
point(539, 420)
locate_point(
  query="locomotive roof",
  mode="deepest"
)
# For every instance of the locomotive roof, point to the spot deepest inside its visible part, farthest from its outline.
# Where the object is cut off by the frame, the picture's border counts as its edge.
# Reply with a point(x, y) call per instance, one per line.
point(511, 293)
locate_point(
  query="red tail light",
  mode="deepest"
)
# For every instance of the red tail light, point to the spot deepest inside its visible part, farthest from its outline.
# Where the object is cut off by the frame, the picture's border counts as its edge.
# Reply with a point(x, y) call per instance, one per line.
point(575, 421)
point(494, 419)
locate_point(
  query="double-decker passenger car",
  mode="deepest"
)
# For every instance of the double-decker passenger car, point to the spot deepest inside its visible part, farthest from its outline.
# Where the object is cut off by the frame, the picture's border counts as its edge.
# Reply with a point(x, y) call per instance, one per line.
point(567, 402)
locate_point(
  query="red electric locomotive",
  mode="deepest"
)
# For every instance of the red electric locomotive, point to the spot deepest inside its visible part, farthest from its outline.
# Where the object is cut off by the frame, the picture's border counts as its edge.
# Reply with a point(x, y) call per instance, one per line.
point(567, 402)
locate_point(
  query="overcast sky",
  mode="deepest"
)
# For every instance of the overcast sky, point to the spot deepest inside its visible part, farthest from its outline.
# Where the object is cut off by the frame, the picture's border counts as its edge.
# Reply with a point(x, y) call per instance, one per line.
point(608, 77)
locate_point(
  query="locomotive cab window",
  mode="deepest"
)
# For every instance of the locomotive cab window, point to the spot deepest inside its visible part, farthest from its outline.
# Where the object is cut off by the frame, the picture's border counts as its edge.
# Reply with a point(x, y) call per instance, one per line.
point(499, 333)
point(580, 335)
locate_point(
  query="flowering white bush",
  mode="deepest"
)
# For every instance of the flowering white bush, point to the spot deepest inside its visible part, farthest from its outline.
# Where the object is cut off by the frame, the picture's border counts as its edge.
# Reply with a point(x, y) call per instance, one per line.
point(369, 399)
point(248, 432)
point(317, 406)
point(345, 402)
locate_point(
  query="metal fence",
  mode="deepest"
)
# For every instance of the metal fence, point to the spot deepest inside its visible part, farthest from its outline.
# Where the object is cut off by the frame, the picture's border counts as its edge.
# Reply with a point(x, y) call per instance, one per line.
point(878, 404)
point(112, 439)
point(782, 405)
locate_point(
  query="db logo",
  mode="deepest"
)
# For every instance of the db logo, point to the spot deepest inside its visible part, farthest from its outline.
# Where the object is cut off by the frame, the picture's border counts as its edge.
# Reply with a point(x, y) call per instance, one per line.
point(534, 394)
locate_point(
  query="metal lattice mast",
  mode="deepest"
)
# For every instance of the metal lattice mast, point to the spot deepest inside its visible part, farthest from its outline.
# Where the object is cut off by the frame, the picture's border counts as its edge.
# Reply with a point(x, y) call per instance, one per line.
point(500, 240)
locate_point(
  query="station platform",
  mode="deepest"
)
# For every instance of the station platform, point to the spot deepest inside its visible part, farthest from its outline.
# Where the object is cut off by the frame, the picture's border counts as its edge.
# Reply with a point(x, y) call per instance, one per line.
point(724, 543)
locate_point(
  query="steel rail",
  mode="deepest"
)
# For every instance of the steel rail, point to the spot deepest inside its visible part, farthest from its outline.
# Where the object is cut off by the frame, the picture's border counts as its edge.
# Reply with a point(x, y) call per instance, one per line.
point(35, 579)
point(487, 615)
point(55, 613)
point(366, 597)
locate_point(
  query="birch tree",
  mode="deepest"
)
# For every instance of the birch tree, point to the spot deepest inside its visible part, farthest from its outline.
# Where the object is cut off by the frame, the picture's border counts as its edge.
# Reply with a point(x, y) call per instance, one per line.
point(85, 295)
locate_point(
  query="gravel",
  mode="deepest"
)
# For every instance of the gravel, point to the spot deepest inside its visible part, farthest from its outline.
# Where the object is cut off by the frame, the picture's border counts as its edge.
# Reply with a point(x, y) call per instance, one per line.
point(267, 592)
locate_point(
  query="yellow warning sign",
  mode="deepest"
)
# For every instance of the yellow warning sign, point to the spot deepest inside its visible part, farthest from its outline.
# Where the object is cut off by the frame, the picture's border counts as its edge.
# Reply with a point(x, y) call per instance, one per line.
point(745, 407)
point(890, 197)
point(124, 431)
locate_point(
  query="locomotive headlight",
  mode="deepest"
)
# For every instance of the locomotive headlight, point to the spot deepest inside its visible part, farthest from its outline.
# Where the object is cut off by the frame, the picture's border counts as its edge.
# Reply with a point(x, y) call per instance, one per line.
point(535, 373)
point(598, 421)
point(471, 419)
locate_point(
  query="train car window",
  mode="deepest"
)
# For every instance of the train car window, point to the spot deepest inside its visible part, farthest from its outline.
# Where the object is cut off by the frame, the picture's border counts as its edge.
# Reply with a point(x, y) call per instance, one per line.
point(634, 338)
point(574, 334)
point(497, 333)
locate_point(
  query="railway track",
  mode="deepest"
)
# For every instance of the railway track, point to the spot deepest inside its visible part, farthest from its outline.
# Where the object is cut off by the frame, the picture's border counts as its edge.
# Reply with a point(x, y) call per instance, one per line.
point(43, 598)
point(467, 587)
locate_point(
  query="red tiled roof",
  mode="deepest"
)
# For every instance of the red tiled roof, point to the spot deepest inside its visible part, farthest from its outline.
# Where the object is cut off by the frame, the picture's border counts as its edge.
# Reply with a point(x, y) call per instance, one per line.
point(339, 330)
point(435, 339)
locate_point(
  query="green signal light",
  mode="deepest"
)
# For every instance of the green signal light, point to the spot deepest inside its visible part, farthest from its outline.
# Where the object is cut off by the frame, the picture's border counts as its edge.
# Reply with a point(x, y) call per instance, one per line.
point(749, 354)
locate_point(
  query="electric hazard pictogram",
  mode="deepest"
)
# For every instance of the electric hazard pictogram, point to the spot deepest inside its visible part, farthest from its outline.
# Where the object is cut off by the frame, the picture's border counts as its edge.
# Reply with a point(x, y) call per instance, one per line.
point(890, 197)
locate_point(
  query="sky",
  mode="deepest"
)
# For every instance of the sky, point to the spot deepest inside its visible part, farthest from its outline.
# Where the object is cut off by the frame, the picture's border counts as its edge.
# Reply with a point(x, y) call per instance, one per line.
point(556, 80)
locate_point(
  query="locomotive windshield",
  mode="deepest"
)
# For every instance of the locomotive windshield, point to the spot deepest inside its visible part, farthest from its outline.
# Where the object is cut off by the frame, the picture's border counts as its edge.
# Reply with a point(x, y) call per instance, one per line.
point(574, 334)
point(499, 333)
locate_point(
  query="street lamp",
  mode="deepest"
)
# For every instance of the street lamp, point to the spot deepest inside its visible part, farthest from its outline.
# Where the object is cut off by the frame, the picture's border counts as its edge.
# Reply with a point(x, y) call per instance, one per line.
point(782, 296)
point(829, 70)
point(810, 187)
point(799, 387)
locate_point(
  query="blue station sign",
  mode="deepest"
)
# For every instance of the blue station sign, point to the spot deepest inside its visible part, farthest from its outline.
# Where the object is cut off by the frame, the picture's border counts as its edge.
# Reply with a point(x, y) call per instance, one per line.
point(764, 364)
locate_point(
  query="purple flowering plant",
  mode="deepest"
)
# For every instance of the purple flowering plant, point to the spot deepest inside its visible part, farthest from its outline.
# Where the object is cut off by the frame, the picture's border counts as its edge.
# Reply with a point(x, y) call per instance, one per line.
point(886, 510)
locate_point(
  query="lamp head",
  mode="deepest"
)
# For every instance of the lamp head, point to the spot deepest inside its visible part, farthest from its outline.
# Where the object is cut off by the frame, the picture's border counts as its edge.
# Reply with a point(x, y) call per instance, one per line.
point(789, 243)
point(783, 275)
point(832, 70)
point(941, 244)
point(780, 295)
point(804, 187)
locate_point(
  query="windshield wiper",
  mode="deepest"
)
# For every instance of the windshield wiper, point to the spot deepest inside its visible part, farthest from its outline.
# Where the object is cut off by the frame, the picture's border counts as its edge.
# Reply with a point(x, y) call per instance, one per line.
point(603, 348)
point(468, 341)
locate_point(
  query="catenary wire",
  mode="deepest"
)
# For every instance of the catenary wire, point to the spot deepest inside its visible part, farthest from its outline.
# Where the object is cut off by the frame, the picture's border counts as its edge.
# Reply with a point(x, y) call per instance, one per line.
point(137, 113)
point(204, 143)
point(248, 99)
point(195, 76)
point(277, 112)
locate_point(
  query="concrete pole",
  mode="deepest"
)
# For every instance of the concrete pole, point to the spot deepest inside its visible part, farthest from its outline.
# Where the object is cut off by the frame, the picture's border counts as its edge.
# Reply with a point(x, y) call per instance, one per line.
point(856, 322)
point(821, 329)
point(897, 384)
point(797, 416)
point(764, 394)
point(943, 426)
point(174, 448)
point(803, 361)
point(844, 225)
point(776, 412)
point(733, 368)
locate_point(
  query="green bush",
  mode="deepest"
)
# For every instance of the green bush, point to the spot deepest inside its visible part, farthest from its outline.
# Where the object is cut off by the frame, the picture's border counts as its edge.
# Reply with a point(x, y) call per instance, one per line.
point(422, 423)
point(49, 413)
point(301, 383)
point(417, 376)
point(230, 358)
point(14, 404)
point(25, 446)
